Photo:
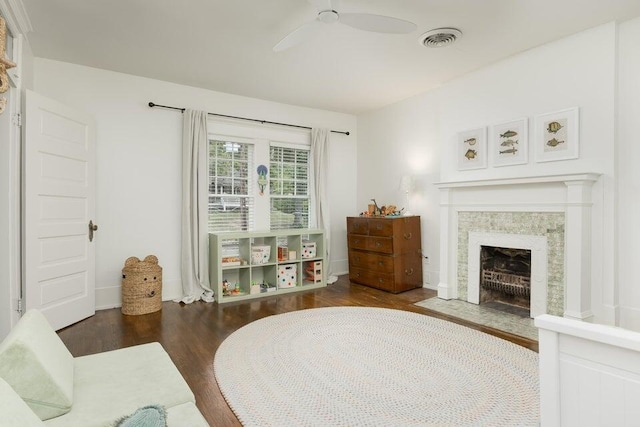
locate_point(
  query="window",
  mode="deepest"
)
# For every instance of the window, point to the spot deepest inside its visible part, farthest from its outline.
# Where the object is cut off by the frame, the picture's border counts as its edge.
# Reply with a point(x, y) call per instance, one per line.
point(231, 204)
point(289, 187)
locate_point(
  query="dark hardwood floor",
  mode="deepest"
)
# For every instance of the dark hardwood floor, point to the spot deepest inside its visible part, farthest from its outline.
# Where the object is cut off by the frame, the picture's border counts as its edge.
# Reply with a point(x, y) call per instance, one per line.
point(192, 333)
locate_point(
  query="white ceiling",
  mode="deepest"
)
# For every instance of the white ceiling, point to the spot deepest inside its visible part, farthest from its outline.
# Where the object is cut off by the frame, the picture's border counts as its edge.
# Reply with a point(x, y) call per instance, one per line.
point(226, 45)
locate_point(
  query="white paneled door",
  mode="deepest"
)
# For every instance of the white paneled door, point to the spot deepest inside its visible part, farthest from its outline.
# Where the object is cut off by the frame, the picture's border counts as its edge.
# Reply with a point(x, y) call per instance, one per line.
point(59, 203)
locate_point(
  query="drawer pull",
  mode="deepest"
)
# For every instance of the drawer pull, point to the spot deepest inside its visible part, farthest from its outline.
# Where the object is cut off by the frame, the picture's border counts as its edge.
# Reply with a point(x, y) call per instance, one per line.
point(407, 236)
point(409, 272)
point(380, 263)
point(357, 274)
point(378, 244)
point(381, 280)
point(379, 227)
point(356, 241)
point(357, 258)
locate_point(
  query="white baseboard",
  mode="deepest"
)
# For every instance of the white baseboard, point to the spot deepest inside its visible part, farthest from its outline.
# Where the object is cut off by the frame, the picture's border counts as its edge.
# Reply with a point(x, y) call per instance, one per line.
point(445, 292)
point(339, 267)
point(430, 278)
point(610, 315)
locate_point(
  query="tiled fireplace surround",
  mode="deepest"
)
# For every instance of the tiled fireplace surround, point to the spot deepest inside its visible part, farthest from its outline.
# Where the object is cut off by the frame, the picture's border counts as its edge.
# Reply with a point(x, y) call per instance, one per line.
point(550, 215)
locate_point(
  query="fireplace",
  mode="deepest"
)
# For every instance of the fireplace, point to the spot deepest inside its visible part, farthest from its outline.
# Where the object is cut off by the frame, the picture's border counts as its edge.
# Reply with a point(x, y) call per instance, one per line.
point(505, 279)
point(550, 216)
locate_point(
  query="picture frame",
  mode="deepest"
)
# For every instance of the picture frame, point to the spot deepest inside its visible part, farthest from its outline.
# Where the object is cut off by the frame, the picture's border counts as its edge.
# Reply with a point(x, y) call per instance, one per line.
point(472, 149)
point(510, 143)
point(557, 135)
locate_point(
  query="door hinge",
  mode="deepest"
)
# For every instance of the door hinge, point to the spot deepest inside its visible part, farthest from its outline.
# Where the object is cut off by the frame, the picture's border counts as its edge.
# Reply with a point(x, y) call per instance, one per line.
point(20, 306)
point(17, 120)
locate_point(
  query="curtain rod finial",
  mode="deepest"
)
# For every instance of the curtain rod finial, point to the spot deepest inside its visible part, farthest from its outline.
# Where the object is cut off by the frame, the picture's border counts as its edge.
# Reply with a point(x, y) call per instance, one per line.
point(151, 104)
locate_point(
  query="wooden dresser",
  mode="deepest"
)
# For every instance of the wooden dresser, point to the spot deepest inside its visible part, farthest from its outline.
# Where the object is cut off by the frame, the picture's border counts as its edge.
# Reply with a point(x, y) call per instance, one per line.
point(385, 253)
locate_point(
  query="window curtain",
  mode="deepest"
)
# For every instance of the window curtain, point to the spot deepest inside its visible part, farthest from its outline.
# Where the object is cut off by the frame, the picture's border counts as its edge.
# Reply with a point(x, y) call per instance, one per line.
point(320, 163)
point(195, 245)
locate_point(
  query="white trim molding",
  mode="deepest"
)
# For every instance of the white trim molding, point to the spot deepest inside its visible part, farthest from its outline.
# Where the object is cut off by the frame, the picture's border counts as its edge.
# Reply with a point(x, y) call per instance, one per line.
point(15, 14)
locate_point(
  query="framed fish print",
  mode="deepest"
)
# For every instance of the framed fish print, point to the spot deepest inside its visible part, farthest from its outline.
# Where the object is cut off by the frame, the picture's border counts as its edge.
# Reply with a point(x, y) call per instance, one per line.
point(510, 143)
point(472, 149)
point(557, 135)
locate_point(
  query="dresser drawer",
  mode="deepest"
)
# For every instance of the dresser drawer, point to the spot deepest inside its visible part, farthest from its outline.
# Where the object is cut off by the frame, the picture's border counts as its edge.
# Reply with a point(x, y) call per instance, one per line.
point(375, 244)
point(381, 227)
point(357, 242)
point(370, 261)
point(380, 244)
point(358, 225)
point(382, 281)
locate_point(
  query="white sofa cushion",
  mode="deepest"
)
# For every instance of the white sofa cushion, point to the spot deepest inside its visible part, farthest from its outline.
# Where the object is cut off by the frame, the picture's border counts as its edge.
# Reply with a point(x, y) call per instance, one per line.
point(113, 384)
point(37, 365)
point(13, 409)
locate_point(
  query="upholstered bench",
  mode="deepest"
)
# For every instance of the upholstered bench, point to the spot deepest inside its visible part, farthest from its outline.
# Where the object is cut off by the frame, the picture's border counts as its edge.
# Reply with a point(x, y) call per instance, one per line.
point(41, 383)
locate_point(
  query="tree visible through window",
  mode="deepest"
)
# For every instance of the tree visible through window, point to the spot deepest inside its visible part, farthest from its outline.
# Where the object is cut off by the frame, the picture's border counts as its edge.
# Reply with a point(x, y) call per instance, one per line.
point(230, 187)
point(289, 187)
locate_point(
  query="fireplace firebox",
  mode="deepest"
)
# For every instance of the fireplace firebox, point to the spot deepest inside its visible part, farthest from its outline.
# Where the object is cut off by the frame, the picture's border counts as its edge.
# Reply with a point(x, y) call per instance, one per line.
point(505, 279)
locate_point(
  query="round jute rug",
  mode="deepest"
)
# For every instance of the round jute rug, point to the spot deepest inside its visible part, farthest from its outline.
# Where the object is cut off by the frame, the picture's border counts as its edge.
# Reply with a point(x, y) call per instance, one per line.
point(362, 366)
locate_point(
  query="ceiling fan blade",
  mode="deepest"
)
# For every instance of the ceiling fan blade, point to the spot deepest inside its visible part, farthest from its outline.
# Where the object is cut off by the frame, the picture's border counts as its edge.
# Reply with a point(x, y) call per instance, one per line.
point(377, 23)
point(300, 34)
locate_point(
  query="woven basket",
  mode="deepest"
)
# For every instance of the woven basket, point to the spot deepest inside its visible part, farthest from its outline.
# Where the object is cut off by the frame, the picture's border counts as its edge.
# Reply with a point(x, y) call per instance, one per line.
point(141, 286)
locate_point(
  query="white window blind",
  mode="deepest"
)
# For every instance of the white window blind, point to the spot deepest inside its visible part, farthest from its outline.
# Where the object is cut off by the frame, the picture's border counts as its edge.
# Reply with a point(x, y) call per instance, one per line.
point(231, 202)
point(289, 187)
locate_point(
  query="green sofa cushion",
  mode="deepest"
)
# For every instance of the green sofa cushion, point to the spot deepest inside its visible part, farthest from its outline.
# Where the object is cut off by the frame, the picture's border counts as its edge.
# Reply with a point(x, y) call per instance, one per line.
point(37, 365)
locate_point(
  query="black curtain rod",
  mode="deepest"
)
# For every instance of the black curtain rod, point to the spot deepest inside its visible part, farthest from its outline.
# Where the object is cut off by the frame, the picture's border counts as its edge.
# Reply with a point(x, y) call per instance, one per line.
point(151, 104)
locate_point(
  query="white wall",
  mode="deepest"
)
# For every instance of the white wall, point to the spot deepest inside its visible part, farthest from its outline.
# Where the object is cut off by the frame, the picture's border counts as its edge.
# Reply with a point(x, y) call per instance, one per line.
point(628, 174)
point(419, 135)
point(139, 158)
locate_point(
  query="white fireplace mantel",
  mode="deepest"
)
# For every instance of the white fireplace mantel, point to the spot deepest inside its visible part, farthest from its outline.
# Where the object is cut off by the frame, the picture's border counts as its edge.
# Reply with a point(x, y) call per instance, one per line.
point(542, 179)
point(568, 193)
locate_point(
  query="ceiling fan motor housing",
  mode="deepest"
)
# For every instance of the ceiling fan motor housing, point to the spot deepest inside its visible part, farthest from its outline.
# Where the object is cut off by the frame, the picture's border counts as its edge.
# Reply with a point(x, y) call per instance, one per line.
point(328, 16)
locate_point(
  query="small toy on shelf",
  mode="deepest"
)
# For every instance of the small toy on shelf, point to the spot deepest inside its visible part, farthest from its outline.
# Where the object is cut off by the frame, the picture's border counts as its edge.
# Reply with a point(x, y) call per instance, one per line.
point(375, 210)
point(267, 287)
point(236, 290)
point(283, 253)
point(255, 288)
point(231, 261)
point(313, 271)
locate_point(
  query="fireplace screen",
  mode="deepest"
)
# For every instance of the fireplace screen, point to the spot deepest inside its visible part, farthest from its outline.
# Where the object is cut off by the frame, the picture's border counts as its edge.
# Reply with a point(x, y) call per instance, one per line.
point(505, 276)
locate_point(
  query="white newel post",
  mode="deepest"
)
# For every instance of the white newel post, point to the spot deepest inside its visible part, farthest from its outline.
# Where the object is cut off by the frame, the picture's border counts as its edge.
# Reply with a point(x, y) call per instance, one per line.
point(578, 260)
point(445, 285)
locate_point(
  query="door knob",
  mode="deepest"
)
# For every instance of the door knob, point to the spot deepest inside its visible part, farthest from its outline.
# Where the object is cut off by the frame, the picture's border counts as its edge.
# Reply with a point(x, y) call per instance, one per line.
point(92, 227)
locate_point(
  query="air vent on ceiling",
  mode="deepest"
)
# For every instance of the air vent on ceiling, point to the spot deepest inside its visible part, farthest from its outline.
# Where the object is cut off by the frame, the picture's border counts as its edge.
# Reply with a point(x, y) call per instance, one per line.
point(440, 37)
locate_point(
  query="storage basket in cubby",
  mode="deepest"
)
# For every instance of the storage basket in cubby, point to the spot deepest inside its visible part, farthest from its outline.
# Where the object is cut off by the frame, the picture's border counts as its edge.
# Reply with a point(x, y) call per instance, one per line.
point(308, 249)
point(141, 286)
point(287, 276)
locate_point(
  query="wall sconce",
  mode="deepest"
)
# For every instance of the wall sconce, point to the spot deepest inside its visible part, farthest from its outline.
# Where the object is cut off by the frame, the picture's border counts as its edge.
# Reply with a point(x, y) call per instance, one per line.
point(5, 64)
point(406, 185)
